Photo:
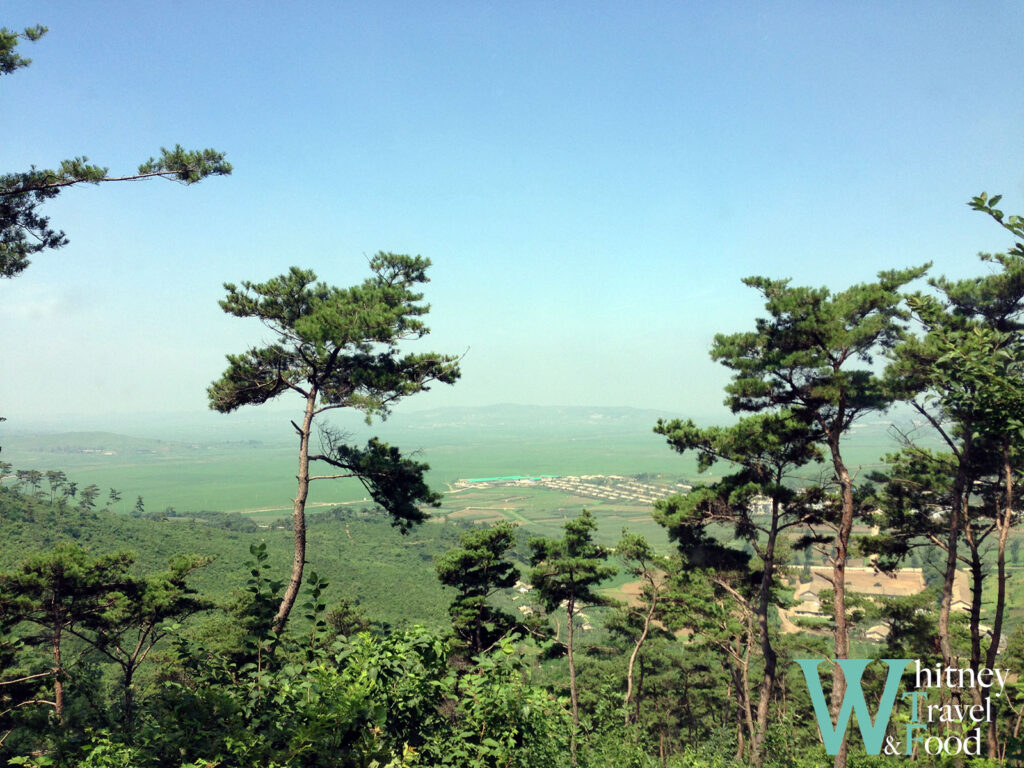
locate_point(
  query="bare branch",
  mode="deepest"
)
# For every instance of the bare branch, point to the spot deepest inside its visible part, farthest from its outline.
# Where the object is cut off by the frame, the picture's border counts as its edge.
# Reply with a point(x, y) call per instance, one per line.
point(27, 703)
point(28, 677)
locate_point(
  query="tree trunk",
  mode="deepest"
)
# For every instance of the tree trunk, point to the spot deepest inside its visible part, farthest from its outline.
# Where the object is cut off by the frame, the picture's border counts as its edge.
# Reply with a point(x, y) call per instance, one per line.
point(298, 517)
point(636, 708)
point(1004, 519)
point(977, 587)
point(58, 675)
point(842, 632)
point(572, 684)
point(129, 700)
point(740, 741)
point(748, 714)
point(956, 515)
point(636, 650)
point(770, 657)
point(739, 727)
point(738, 676)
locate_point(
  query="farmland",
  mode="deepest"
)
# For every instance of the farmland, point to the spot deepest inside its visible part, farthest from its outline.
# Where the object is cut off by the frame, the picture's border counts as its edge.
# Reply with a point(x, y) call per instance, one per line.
point(249, 466)
point(543, 504)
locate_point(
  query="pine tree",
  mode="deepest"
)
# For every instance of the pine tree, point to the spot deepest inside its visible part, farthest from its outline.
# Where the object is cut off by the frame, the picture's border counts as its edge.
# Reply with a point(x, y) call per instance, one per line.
point(763, 450)
point(24, 231)
point(339, 348)
point(811, 356)
point(478, 569)
point(565, 573)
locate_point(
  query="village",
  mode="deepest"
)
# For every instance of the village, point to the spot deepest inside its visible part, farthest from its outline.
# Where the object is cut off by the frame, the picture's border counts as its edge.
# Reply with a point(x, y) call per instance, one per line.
point(866, 581)
point(612, 488)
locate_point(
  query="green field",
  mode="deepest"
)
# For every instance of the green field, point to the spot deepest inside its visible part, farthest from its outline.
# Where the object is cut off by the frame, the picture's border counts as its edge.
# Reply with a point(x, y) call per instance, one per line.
point(543, 512)
point(257, 477)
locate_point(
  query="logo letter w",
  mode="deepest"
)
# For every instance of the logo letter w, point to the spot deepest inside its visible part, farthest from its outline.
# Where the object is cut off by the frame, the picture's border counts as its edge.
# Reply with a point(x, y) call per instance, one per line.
point(853, 701)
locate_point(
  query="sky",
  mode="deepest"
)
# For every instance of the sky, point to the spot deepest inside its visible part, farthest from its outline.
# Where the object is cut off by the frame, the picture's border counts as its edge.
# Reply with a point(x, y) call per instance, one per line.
point(591, 180)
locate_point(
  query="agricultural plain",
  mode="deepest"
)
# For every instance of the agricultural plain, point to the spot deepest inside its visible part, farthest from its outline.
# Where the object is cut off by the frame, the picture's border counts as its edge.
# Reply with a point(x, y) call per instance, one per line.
point(248, 465)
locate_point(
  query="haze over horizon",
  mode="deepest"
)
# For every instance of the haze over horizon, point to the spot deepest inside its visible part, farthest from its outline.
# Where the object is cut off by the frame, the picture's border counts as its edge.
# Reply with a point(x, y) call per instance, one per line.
point(271, 423)
point(591, 181)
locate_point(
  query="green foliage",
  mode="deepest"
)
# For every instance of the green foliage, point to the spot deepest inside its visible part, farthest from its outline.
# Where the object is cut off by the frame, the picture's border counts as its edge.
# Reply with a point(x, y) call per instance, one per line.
point(809, 364)
point(911, 621)
point(799, 357)
point(366, 701)
point(495, 718)
point(65, 603)
point(759, 444)
point(763, 450)
point(10, 59)
point(569, 569)
point(394, 481)
point(145, 611)
point(260, 642)
point(87, 497)
point(345, 619)
point(64, 589)
point(688, 518)
point(970, 359)
point(315, 609)
point(389, 575)
point(965, 375)
point(326, 339)
point(478, 569)
point(915, 490)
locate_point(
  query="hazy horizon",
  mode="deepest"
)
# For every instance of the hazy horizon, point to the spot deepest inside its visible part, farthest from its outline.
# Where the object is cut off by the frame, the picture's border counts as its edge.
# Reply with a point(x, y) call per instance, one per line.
point(591, 181)
point(271, 419)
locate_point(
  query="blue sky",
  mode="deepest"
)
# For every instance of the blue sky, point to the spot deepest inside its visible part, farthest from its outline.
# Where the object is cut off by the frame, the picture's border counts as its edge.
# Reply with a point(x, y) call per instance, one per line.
point(591, 180)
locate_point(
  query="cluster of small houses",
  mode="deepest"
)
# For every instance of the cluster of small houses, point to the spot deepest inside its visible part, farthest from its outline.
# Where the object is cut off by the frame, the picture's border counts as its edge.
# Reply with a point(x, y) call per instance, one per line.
point(618, 489)
point(605, 487)
point(873, 584)
point(864, 581)
point(522, 588)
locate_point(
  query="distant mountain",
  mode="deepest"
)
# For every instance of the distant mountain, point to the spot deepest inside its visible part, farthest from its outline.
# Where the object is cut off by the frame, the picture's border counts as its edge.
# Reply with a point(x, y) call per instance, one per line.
point(517, 417)
point(89, 442)
point(271, 426)
point(97, 444)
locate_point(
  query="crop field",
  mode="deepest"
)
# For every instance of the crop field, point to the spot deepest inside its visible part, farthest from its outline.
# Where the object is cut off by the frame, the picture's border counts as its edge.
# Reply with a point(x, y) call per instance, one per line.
point(257, 477)
point(226, 477)
point(542, 512)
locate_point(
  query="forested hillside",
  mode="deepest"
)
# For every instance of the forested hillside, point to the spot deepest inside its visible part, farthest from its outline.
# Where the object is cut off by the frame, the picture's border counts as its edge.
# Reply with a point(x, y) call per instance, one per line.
point(388, 574)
